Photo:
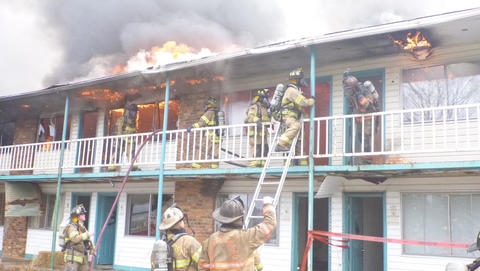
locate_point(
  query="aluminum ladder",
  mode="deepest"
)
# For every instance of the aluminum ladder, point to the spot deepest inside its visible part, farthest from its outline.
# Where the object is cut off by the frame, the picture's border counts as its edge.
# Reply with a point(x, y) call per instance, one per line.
point(277, 184)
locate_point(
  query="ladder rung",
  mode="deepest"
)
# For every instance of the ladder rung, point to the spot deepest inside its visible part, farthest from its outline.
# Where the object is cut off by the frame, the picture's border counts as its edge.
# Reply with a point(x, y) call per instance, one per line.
point(256, 216)
point(279, 152)
point(271, 183)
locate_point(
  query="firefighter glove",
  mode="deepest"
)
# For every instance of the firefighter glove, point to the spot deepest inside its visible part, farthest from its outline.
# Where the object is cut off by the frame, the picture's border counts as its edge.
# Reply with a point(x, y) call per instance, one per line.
point(189, 128)
point(311, 101)
point(267, 200)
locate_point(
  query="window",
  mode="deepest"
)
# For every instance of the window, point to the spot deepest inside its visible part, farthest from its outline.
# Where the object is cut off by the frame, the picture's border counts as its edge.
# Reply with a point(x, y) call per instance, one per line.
point(149, 117)
point(247, 199)
point(45, 219)
point(436, 86)
point(6, 133)
point(440, 217)
point(50, 129)
point(142, 213)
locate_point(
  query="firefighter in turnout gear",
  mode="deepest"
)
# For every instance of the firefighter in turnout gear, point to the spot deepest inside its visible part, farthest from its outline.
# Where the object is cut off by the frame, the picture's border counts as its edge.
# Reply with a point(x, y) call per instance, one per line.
point(258, 136)
point(232, 247)
point(363, 99)
point(125, 125)
point(185, 248)
point(293, 103)
point(208, 119)
point(77, 241)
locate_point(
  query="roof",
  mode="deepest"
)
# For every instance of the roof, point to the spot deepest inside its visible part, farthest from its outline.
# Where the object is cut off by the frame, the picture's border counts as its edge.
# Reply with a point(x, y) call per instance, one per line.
point(451, 28)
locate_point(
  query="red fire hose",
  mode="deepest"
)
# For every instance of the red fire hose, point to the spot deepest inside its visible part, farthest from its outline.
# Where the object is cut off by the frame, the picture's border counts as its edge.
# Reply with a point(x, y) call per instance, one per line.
point(124, 182)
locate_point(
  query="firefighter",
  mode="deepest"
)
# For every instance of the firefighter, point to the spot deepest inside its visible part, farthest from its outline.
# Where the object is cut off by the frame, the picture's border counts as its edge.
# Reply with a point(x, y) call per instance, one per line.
point(233, 248)
point(77, 241)
point(258, 137)
point(125, 125)
point(186, 249)
point(293, 103)
point(208, 119)
point(363, 99)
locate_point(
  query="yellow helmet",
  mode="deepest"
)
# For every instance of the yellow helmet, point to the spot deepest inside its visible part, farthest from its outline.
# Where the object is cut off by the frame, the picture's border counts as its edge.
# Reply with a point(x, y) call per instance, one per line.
point(170, 217)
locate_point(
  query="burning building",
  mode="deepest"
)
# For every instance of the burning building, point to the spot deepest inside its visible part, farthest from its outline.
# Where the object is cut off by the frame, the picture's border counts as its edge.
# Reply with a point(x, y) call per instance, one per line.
point(421, 185)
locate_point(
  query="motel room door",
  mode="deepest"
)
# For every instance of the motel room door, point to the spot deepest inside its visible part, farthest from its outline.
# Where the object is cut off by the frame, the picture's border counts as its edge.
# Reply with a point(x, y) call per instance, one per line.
point(107, 249)
point(364, 215)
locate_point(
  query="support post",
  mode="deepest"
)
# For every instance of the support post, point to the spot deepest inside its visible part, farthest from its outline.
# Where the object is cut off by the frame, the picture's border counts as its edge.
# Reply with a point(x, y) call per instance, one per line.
point(311, 146)
point(162, 159)
point(59, 182)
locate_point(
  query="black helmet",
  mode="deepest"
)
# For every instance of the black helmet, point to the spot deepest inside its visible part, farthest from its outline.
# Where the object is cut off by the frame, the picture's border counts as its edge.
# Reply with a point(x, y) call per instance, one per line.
point(350, 81)
point(296, 74)
point(262, 93)
point(78, 210)
point(230, 211)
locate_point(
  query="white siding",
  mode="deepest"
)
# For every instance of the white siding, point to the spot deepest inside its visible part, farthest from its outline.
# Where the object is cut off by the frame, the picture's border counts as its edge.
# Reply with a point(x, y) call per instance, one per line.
point(397, 261)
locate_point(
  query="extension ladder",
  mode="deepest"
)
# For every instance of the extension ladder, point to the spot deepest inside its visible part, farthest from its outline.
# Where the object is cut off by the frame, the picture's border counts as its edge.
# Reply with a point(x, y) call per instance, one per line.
point(277, 184)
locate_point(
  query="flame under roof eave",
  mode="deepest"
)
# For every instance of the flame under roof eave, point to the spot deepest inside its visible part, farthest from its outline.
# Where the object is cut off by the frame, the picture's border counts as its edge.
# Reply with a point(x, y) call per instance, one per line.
point(423, 22)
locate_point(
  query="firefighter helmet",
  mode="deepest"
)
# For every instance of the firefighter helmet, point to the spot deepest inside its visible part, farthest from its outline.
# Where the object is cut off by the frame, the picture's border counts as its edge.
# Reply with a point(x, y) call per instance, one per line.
point(296, 74)
point(78, 210)
point(260, 94)
point(170, 217)
point(350, 82)
point(230, 211)
point(211, 101)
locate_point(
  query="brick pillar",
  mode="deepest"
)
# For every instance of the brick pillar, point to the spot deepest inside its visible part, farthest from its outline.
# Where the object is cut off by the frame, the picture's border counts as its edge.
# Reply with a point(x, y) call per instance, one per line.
point(197, 198)
point(192, 102)
point(14, 237)
point(15, 228)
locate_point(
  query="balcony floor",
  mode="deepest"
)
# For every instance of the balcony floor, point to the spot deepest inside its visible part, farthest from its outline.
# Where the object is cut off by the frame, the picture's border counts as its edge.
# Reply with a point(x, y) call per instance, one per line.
point(373, 172)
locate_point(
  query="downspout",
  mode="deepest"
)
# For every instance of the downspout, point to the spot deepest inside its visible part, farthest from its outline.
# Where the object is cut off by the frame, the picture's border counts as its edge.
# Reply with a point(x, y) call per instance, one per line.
point(162, 159)
point(59, 181)
point(310, 152)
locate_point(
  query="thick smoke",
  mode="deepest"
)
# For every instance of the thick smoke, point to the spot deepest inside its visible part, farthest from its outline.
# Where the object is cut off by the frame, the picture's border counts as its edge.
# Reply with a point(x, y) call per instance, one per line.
point(96, 35)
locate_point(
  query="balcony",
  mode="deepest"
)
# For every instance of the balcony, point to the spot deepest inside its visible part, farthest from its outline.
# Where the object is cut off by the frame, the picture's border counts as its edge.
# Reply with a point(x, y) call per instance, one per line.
point(437, 138)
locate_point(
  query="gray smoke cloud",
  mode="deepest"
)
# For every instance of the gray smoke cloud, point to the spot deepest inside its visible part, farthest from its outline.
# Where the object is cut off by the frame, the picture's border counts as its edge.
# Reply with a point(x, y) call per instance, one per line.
point(96, 34)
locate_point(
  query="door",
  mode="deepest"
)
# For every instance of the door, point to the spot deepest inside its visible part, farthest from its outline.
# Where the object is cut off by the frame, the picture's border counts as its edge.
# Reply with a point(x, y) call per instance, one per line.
point(364, 215)
point(86, 149)
point(322, 109)
point(320, 222)
point(377, 78)
point(82, 198)
point(106, 252)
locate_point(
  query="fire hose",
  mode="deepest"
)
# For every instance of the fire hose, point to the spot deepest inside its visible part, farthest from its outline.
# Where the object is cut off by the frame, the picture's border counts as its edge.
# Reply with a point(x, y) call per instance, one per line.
point(124, 182)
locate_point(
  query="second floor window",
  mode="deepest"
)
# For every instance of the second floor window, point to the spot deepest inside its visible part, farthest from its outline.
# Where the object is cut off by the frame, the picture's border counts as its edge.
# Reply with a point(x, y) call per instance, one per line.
point(443, 85)
point(50, 129)
point(149, 117)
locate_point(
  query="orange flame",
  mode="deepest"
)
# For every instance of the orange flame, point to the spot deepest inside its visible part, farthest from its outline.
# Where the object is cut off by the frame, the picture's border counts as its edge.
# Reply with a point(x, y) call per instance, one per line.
point(170, 52)
point(417, 44)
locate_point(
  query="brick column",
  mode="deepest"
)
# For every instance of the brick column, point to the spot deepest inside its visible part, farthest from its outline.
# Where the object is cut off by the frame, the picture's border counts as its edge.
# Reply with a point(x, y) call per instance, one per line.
point(14, 237)
point(197, 198)
point(15, 228)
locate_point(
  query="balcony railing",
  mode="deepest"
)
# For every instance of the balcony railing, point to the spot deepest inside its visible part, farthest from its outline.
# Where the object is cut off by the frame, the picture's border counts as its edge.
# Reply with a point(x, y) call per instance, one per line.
point(450, 133)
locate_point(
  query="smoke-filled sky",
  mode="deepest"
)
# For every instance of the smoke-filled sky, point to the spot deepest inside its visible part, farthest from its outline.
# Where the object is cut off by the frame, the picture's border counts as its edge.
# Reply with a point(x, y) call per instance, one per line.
point(48, 42)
